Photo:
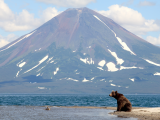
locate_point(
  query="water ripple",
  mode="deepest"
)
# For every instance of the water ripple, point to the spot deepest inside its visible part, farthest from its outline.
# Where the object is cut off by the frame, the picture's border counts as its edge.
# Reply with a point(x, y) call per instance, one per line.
point(75, 100)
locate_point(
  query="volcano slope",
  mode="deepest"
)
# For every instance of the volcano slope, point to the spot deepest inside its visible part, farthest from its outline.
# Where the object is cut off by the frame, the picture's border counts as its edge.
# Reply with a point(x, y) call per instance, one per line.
point(79, 51)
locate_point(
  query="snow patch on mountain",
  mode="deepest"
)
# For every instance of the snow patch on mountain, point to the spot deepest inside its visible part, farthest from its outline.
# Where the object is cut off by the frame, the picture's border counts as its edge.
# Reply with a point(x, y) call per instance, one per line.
point(41, 68)
point(124, 45)
point(119, 61)
point(102, 79)
point(18, 72)
point(40, 62)
point(77, 72)
point(18, 41)
point(100, 68)
point(122, 67)
point(111, 67)
point(44, 59)
point(49, 60)
point(132, 79)
point(92, 78)
point(52, 61)
point(115, 85)
point(73, 79)
point(19, 62)
point(42, 88)
point(157, 73)
point(22, 64)
point(153, 63)
point(87, 61)
point(85, 80)
point(33, 82)
point(38, 74)
point(102, 63)
point(110, 80)
point(55, 72)
point(104, 24)
point(38, 49)
point(112, 84)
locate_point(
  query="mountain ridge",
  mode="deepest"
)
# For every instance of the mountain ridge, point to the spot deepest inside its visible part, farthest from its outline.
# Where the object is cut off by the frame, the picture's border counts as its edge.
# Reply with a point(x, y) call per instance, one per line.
point(79, 51)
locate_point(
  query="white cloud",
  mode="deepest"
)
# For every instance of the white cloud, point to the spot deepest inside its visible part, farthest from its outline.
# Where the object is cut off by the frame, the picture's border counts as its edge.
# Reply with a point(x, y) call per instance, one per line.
point(68, 3)
point(127, 3)
point(124, 15)
point(130, 19)
point(5, 40)
point(153, 40)
point(146, 3)
point(9, 21)
point(5, 12)
point(23, 20)
point(49, 13)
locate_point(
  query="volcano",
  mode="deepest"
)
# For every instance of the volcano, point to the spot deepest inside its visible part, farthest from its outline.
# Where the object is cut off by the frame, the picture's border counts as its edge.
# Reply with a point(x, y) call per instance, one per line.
point(79, 51)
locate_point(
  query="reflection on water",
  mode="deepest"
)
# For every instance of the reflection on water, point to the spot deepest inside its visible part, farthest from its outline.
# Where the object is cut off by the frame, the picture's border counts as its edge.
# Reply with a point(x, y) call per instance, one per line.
point(56, 113)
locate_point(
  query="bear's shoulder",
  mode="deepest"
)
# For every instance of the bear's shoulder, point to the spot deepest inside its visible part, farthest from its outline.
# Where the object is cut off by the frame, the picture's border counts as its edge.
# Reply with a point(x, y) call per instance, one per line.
point(120, 96)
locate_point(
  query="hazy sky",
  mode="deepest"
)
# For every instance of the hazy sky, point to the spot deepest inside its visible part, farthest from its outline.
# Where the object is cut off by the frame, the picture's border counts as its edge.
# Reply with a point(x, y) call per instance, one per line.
point(19, 17)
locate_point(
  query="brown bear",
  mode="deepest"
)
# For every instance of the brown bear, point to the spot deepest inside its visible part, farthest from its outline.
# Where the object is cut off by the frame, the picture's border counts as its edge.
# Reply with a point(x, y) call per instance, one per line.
point(47, 108)
point(123, 104)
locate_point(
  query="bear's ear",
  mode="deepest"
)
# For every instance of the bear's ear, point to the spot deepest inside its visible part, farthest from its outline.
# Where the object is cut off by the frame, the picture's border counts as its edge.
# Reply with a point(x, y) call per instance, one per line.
point(116, 92)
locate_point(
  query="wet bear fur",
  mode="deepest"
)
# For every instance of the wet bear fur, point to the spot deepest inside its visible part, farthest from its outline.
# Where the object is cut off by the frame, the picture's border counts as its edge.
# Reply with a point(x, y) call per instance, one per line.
point(123, 104)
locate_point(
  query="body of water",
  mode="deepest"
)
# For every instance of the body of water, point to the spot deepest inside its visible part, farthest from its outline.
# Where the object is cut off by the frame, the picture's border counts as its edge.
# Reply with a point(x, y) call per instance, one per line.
point(31, 106)
point(75, 100)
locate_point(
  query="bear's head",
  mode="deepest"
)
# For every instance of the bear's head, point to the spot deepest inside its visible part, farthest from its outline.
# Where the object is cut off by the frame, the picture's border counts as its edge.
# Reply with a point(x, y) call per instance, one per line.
point(113, 94)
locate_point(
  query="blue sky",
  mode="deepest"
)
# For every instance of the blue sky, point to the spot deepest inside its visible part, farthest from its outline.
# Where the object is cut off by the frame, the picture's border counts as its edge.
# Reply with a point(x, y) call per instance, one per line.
point(19, 17)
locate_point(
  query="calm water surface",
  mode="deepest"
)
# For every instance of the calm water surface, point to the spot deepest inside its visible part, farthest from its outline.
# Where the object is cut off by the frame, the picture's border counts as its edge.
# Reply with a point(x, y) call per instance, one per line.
point(75, 100)
point(31, 106)
point(56, 113)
